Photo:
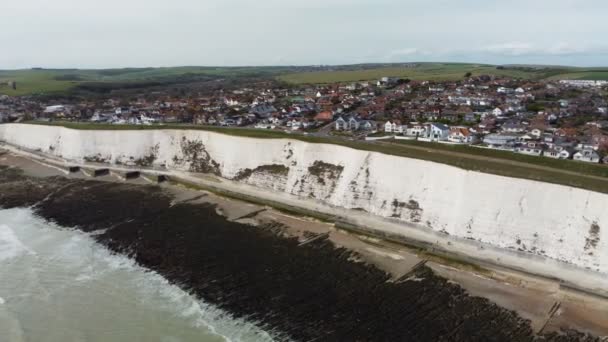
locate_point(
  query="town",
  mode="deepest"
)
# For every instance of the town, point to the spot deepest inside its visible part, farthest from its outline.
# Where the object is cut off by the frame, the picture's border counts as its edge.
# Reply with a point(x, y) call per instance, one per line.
point(561, 119)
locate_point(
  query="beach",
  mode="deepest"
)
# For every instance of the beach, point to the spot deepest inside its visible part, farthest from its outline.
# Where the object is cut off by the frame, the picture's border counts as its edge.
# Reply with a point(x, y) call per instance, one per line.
point(384, 266)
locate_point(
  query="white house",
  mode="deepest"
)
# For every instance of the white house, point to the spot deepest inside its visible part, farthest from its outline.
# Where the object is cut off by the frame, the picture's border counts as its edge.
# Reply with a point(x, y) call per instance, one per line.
point(559, 153)
point(461, 135)
point(500, 140)
point(416, 130)
point(264, 125)
point(513, 127)
point(341, 124)
point(587, 155)
point(393, 127)
point(497, 112)
point(530, 148)
point(353, 124)
point(536, 132)
point(231, 102)
point(366, 125)
point(146, 120)
point(293, 124)
point(54, 109)
point(438, 132)
point(584, 83)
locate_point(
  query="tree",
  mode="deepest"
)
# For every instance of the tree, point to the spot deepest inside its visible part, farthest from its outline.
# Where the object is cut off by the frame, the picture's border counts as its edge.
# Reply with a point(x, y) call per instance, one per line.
point(468, 74)
point(535, 107)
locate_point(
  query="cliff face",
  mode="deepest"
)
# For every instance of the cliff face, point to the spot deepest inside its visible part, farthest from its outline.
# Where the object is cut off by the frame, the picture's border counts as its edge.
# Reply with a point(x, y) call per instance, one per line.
point(554, 221)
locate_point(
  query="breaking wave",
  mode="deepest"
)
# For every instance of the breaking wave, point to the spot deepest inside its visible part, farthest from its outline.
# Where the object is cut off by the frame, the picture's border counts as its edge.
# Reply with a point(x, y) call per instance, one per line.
point(58, 284)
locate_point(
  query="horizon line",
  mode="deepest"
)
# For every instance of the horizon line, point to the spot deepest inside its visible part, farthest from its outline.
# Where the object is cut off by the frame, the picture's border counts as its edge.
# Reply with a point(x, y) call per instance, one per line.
point(303, 65)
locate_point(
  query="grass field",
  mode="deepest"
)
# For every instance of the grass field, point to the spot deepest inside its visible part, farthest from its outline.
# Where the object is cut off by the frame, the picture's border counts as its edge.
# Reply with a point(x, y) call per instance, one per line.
point(32, 82)
point(564, 172)
point(58, 81)
point(443, 72)
point(51, 81)
point(597, 75)
point(561, 164)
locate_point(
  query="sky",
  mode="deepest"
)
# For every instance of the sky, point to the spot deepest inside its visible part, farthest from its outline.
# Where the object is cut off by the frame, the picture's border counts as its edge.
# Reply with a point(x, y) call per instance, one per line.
point(150, 33)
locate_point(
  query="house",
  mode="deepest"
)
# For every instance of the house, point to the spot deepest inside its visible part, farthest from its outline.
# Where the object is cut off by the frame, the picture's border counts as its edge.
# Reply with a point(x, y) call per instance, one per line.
point(470, 117)
point(263, 111)
point(513, 127)
point(264, 125)
point(231, 102)
point(461, 135)
point(416, 130)
point(387, 81)
point(228, 122)
point(147, 120)
point(586, 143)
point(583, 83)
point(500, 140)
point(297, 123)
point(559, 153)
point(212, 121)
point(438, 132)
point(532, 148)
point(341, 124)
point(497, 112)
point(536, 133)
point(393, 127)
point(324, 116)
point(54, 109)
point(352, 124)
point(587, 155)
point(367, 125)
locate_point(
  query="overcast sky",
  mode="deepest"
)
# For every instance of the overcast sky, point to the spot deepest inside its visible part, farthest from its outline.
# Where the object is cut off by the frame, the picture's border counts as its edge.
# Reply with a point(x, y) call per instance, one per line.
point(138, 33)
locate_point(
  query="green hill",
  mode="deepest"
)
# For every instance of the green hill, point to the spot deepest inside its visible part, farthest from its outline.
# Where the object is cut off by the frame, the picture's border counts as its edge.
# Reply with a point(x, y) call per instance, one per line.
point(52, 81)
point(445, 72)
point(62, 81)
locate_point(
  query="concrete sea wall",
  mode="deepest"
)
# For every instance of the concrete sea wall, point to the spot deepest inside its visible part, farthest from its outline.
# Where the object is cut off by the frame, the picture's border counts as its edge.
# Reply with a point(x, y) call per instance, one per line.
point(551, 221)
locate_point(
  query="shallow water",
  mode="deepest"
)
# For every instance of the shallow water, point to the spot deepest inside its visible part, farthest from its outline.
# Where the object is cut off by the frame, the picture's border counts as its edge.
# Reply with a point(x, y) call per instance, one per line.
point(59, 285)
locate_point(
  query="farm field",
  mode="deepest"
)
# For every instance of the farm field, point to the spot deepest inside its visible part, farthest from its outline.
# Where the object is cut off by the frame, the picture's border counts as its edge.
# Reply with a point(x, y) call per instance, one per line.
point(52, 81)
point(62, 81)
point(445, 72)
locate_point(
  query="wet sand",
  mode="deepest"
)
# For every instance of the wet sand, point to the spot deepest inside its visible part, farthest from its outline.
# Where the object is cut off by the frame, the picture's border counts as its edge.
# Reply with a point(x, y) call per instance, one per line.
point(531, 297)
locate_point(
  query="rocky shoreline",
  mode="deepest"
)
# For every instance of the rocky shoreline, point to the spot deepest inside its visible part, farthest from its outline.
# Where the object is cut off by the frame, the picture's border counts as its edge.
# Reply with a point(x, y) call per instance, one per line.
point(315, 292)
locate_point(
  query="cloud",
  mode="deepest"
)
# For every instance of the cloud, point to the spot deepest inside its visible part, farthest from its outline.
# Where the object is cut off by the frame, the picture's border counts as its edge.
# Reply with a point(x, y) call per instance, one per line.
point(510, 49)
point(255, 32)
point(408, 53)
point(517, 49)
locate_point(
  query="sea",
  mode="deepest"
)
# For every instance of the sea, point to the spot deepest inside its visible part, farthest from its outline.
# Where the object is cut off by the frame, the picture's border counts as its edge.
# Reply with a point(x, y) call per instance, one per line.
point(58, 285)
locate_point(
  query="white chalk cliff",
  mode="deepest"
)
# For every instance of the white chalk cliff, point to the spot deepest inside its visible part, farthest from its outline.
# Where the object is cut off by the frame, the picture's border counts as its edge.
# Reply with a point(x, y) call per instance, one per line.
point(557, 222)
